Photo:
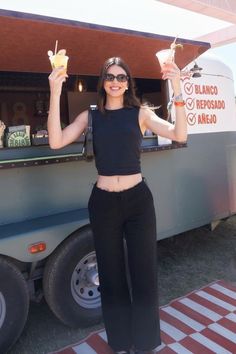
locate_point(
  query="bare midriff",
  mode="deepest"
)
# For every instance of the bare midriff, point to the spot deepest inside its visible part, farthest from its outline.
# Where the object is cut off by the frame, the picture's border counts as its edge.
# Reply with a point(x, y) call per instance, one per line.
point(118, 183)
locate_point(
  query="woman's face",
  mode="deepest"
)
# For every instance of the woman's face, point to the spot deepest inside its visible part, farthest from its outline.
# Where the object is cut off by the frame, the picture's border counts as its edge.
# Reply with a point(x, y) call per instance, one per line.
point(115, 87)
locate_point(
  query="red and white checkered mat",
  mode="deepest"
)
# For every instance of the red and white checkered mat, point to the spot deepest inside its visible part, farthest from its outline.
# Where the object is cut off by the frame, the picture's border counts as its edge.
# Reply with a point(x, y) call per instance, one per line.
point(202, 322)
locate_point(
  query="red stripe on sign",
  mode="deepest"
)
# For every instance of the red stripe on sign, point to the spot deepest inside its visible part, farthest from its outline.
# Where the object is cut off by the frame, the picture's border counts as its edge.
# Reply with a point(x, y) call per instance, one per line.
point(208, 304)
point(99, 345)
point(166, 350)
point(175, 322)
point(221, 296)
point(191, 313)
point(166, 338)
point(220, 340)
point(227, 285)
point(230, 325)
point(195, 347)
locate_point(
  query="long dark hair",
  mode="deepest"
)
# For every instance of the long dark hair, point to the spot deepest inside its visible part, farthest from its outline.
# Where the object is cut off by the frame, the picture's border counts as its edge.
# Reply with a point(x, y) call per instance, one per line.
point(130, 98)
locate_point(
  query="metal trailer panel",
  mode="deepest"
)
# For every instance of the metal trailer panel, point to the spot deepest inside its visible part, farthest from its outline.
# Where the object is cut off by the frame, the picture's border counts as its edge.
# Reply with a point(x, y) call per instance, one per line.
point(16, 238)
point(32, 192)
point(191, 187)
point(195, 185)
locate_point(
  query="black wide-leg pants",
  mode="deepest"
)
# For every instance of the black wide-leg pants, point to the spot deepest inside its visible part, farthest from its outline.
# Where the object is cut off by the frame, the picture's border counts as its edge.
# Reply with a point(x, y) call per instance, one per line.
point(129, 320)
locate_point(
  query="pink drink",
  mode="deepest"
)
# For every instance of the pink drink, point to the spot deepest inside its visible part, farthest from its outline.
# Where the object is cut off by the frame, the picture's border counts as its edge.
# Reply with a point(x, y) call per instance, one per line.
point(165, 56)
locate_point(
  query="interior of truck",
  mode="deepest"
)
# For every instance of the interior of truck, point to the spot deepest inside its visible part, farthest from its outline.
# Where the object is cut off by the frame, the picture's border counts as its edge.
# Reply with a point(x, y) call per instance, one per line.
point(24, 97)
point(25, 67)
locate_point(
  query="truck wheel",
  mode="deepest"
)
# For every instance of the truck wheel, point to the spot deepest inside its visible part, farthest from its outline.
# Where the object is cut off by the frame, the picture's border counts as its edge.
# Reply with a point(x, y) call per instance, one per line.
point(70, 281)
point(14, 303)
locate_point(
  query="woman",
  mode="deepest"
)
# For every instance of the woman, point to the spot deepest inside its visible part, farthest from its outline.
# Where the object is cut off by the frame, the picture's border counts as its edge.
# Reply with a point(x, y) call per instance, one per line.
point(121, 204)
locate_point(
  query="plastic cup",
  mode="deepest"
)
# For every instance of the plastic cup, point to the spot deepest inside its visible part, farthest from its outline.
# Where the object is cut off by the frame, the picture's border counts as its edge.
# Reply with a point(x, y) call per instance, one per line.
point(165, 56)
point(58, 60)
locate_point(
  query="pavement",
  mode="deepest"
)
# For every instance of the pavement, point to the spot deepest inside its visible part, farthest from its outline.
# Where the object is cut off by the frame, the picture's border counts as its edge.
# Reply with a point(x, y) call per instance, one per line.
point(187, 262)
point(203, 321)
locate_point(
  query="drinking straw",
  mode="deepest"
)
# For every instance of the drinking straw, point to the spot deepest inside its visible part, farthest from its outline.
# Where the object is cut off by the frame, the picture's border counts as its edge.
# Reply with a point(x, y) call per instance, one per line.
point(174, 40)
point(172, 47)
point(55, 51)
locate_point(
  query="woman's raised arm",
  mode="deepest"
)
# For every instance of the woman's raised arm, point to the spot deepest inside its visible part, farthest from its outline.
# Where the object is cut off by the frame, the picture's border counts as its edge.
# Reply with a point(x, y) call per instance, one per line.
point(58, 137)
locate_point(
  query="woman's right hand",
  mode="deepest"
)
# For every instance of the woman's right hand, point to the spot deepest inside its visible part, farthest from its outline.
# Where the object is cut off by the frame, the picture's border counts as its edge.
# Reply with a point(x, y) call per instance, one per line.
point(56, 79)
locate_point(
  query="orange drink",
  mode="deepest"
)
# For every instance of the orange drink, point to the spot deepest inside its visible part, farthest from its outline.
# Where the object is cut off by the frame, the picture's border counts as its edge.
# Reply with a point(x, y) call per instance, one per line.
point(59, 59)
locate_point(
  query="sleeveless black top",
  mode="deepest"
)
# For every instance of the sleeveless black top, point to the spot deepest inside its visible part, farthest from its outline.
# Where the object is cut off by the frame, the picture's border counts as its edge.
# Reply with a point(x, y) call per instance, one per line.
point(117, 141)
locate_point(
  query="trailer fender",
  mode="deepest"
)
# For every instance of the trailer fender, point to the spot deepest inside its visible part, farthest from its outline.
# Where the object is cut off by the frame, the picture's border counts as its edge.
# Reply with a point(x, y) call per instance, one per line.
point(16, 238)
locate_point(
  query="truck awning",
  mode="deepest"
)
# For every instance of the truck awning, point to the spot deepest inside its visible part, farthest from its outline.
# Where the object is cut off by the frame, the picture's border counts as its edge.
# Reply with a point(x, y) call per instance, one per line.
point(26, 38)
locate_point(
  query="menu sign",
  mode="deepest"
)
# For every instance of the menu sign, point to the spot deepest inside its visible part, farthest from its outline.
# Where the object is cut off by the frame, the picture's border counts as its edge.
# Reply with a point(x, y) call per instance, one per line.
point(210, 104)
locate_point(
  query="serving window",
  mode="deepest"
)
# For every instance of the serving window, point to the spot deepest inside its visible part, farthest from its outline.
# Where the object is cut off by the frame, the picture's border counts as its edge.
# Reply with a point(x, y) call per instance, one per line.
point(24, 104)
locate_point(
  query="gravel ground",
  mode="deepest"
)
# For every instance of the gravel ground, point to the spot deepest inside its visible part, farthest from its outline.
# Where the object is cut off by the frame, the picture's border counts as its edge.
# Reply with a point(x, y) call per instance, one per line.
point(186, 262)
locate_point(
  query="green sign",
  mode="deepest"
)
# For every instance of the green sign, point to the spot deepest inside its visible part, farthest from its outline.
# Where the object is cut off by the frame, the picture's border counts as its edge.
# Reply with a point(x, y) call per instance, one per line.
point(18, 138)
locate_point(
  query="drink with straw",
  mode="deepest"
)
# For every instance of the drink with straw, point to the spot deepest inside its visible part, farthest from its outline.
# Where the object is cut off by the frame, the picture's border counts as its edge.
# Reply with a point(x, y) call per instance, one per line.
point(58, 59)
point(167, 56)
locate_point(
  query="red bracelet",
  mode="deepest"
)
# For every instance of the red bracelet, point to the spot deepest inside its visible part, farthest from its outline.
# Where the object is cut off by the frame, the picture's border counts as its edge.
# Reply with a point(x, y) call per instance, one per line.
point(179, 103)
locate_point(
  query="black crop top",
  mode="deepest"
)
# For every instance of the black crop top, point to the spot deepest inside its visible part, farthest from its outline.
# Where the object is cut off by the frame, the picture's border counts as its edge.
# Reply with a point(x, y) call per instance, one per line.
point(117, 140)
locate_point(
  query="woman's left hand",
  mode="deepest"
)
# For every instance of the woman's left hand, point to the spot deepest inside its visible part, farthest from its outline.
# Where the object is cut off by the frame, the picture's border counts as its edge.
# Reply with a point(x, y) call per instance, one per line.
point(171, 72)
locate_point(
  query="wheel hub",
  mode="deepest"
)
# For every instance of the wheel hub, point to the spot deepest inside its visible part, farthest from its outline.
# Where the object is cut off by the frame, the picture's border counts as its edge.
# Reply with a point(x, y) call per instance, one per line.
point(85, 282)
point(92, 274)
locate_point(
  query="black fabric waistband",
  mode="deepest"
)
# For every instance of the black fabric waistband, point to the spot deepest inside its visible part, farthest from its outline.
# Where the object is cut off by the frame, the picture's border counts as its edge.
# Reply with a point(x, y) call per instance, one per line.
point(135, 188)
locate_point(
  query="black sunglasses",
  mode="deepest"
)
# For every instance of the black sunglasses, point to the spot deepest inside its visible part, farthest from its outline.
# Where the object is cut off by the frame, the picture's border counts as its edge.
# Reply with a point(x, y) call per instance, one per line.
point(119, 77)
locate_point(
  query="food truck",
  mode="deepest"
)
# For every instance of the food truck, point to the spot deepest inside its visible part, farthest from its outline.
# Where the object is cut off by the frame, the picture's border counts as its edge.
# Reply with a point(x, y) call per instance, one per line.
point(46, 243)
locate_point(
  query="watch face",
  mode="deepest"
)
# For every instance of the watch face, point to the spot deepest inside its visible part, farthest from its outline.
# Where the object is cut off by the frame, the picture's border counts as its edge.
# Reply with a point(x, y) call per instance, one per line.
point(18, 138)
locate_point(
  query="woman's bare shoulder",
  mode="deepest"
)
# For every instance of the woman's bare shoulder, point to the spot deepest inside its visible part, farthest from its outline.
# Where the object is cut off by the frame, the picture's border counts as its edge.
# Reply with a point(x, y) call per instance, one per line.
point(145, 112)
point(82, 116)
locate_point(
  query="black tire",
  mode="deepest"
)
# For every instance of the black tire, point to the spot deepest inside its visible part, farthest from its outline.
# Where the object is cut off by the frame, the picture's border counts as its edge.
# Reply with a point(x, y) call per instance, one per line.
point(14, 303)
point(70, 295)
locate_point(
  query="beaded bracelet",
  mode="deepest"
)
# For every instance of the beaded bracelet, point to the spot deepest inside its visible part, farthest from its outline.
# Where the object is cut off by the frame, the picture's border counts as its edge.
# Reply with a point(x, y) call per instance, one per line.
point(178, 102)
point(178, 98)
